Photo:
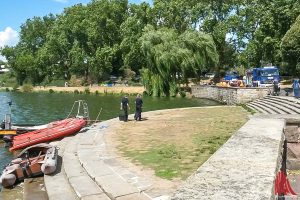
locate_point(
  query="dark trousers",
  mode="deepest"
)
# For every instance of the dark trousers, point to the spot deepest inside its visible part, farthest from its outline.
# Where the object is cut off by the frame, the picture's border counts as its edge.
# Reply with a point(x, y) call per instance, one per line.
point(138, 113)
point(125, 113)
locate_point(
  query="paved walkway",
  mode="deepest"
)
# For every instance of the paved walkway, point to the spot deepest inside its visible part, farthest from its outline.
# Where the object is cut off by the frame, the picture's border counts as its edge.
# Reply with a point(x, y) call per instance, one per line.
point(90, 171)
point(243, 168)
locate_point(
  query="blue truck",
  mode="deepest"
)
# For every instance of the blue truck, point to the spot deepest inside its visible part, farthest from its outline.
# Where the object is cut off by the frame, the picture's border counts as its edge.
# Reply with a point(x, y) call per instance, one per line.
point(264, 76)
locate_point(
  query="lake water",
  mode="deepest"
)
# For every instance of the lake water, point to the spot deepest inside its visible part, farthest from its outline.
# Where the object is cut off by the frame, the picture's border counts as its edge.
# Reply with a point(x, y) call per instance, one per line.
point(41, 108)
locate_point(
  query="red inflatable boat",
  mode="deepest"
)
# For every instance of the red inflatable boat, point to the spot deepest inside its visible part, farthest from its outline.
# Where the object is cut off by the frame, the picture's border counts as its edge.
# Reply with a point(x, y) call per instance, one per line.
point(55, 130)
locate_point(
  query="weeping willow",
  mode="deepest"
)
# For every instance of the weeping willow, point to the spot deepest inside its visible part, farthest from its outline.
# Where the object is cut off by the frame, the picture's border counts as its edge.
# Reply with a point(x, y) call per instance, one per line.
point(173, 58)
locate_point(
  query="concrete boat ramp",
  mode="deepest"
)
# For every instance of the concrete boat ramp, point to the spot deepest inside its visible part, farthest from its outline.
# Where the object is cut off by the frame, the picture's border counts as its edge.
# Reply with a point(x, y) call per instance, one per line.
point(89, 171)
point(243, 168)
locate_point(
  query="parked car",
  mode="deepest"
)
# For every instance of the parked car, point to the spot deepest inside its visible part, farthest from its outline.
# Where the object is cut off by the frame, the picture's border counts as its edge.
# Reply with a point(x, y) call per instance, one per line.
point(209, 75)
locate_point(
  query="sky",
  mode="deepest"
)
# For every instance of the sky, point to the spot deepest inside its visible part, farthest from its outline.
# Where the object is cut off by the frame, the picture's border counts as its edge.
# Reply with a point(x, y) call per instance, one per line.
point(14, 13)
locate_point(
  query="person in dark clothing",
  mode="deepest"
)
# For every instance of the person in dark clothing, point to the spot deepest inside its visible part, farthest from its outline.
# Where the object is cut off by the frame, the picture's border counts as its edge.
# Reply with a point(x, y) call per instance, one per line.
point(276, 88)
point(138, 108)
point(125, 107)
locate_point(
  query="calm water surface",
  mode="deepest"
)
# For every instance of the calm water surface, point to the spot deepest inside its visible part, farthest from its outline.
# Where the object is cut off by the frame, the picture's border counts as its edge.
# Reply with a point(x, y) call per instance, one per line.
point(41, 108)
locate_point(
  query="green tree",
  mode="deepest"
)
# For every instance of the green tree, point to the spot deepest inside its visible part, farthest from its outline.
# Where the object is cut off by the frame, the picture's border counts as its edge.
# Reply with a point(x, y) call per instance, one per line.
point(172, 58)
point(264, 25)
point(22, 57)
point(174, 14)
point(131, 31)
point(291, 48)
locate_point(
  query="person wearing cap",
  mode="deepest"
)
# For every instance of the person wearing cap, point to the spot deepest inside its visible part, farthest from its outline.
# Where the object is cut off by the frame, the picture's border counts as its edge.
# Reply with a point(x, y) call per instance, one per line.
point(125, 107)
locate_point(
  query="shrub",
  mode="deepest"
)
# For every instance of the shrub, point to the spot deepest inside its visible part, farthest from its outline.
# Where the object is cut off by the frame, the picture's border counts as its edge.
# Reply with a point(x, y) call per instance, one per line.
point(27, 87)
point(7, 89)
point(128, 74)
point(87, 91)
point(76, 91)
point(182, 93)
point(15, 87)
point(145, 93)
point(74, 81)
point(97, 92)
point(55, 82)
point(51, 91)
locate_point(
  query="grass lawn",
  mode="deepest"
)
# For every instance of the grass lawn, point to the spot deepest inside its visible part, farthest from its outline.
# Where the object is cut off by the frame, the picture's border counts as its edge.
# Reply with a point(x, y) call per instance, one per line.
point(175, 144)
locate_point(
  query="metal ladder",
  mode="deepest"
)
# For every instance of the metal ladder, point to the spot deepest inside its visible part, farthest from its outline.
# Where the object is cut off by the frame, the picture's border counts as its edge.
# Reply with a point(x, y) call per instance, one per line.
point(82, 109)
point(85, 109)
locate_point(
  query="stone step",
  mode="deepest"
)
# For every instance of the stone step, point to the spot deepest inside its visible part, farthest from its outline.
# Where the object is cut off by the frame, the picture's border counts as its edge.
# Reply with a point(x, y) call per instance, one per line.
point(105, 170)
point(90, 172)
point(265, 108)
point(253, 107)
point(80, 181)
point(285, 104)
point(271, 106)
point(291, 100)
point(279, 106)
point(57, 185)
point(257, 108)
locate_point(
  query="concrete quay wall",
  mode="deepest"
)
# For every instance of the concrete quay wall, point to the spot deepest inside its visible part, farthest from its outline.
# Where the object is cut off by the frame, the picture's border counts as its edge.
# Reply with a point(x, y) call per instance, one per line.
point(229, 95)
point(245, 167)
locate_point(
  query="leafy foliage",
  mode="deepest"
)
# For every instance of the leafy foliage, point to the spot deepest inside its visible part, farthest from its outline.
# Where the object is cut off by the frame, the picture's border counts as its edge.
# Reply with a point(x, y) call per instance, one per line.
point(291, 48)
point(172, 57)
point(108, 37)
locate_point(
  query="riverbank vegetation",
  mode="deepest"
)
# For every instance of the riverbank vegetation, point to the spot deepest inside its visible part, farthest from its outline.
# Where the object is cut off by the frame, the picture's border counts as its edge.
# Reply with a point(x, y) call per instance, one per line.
point(165, 43)
point(178, 142)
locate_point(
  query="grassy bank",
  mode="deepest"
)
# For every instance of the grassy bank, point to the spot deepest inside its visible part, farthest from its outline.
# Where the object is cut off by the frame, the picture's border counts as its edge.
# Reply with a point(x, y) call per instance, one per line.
point(80, 90)
point(175, 144)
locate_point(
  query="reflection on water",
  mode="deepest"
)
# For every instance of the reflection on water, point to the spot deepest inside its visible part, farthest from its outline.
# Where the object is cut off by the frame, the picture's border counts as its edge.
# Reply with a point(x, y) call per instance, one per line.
point(40, 108)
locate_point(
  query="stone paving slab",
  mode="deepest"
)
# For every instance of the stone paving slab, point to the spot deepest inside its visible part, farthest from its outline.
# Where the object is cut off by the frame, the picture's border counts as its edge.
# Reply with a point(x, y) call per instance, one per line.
point(71, 146)
point(141, 184)
point(294, 150)
point(115, 185)
point(243, 168)
point(57, 185)
point(34, 189)
point(72, 167)
point(58, 188)
point(96, 197)
point(84, 186)
point(133, 197)
point(96, 168)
